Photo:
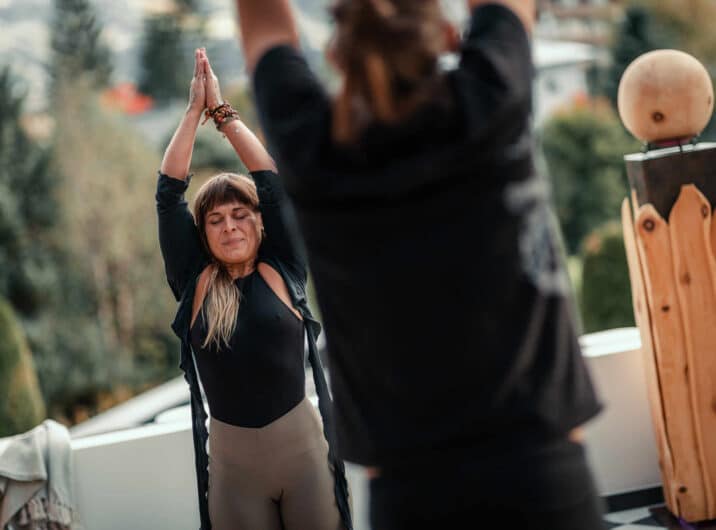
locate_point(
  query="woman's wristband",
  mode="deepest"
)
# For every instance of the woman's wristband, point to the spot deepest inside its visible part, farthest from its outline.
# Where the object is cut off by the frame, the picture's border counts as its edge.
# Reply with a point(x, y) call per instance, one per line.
point(221, 114)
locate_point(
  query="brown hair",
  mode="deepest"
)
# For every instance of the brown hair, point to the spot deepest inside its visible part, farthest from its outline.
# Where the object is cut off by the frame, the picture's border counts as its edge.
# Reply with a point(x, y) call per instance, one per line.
point(222, 295)
point(387, 52)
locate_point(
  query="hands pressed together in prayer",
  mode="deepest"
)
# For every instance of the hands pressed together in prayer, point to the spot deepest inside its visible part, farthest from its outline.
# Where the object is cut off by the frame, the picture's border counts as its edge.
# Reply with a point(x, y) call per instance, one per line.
point(204, 92)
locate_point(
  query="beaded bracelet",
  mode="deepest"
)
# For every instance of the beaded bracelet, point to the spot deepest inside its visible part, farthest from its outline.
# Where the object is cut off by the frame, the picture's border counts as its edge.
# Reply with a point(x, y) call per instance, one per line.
point(221, 114)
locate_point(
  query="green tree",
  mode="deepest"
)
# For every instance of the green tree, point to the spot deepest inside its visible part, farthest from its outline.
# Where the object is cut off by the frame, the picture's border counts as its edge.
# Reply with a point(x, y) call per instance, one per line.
point(689, 27)
point(165, 68)
point(584, 153)
point(37, 275)
point(21, 405)
point(77, 49)
point(606, 289)
point(27, 206)
point(634, 37)
point(109, 317)
point(166, 57)
point(242, 100)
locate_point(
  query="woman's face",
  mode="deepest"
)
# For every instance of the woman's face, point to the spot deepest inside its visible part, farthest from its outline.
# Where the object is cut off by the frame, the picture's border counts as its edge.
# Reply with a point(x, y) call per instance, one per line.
point(233, 232)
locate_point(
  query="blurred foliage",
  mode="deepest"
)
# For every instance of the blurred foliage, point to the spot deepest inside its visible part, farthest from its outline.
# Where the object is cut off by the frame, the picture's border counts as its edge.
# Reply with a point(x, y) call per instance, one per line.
point(605, 286)
point(689, 25)
point(77, 50)
point(212, 151)
point(635, 36)
point(27, 207)
point(107, 325)
point(689, 28)
point(584, 148)
point(21, 405)
point(241, 99)
point(78, 253)
point(166, 58)
point(649, 25)
point(166, 71)
point(574, 271)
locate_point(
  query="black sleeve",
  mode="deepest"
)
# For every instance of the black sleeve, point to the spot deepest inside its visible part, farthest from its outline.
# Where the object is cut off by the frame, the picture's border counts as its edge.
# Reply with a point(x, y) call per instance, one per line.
point(496, 59)
point(282, 240)
point(178, 236)
point(294, 111)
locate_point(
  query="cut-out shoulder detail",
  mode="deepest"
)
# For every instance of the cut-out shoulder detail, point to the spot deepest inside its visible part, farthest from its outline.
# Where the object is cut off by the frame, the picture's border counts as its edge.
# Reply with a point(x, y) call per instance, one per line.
point(268, 274)
point(274, 280)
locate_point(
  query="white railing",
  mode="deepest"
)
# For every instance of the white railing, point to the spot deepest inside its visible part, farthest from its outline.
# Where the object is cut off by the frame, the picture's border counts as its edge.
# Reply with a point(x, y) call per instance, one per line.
point(620, 441)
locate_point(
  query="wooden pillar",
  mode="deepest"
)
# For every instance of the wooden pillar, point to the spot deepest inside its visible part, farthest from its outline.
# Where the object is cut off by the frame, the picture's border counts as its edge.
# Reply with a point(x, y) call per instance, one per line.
point(670, 238)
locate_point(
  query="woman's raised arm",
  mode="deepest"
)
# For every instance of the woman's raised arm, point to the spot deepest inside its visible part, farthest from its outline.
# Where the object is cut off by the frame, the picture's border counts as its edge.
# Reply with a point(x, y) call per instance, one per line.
point(177, 157)
point(178, 237)
point(264, 24)
point(251, 151)
point(282, 241)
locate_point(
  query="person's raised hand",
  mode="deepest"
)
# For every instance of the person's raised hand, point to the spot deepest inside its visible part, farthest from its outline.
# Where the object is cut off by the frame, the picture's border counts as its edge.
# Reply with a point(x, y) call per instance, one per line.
point(197, 89)
point(213, 90)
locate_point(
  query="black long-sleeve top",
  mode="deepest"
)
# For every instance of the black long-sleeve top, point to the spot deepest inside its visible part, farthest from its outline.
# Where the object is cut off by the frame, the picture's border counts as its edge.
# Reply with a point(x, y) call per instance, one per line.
point(185, 258)
point(259, 375)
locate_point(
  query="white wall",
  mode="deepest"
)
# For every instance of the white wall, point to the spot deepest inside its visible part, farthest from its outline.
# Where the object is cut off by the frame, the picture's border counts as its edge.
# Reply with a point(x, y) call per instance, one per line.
point(140, 479)
point(556, 88)
point(621, 445)
point(561, 74)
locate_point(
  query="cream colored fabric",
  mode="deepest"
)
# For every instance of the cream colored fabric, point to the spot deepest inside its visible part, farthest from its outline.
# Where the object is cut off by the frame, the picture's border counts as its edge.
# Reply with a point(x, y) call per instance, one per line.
point(36, 480)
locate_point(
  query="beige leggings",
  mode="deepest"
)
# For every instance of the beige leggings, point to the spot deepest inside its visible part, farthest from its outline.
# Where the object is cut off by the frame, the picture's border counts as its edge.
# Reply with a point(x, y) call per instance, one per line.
point(274, 477)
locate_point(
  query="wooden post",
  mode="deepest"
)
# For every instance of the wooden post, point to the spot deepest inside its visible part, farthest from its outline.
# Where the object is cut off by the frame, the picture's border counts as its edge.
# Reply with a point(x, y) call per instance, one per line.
point(656, 177)
point(670, 237)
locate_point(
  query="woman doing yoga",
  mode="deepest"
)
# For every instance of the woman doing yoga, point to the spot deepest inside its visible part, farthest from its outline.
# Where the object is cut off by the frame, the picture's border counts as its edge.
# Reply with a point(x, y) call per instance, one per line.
point(240, 280)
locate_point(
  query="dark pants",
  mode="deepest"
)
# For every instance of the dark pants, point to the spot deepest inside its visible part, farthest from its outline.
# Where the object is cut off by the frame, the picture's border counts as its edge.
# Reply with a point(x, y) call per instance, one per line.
point(549, 487)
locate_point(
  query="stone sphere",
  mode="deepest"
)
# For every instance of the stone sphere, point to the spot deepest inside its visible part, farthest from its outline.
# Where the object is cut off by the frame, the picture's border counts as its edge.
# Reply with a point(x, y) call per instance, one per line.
point(665, 95)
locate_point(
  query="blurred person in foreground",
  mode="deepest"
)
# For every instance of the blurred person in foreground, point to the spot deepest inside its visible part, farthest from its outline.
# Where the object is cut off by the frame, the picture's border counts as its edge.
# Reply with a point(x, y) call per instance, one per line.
point(240, 282)
point(455, 366)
